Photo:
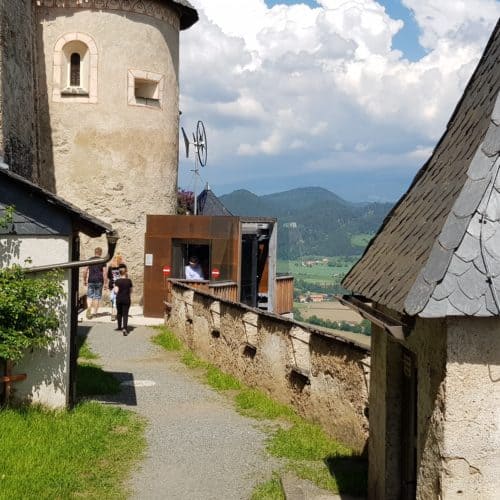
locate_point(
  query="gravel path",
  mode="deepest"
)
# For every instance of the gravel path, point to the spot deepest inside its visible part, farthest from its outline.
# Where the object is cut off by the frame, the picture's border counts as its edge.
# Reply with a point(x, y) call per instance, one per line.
point(199, 447)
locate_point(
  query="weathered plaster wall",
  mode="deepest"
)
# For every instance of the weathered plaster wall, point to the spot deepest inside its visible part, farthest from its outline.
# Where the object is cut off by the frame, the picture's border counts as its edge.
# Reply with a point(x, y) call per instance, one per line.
point(113, 159)
point(338, 369)
point(47, 369)
point(428, 343)
point(17, 97)
point(471, 444)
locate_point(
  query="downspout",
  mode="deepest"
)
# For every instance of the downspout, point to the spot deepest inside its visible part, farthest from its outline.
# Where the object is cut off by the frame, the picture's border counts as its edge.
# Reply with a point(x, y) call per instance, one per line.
point(112, 239)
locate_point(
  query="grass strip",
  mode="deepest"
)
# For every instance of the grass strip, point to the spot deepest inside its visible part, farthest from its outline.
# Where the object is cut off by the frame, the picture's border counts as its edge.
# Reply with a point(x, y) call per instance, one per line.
point(84, 352)
point(254, 403)
point(270, 490)
point(92, 380)
point(305, 441)
point(86, 452)
point(167, 339)
point(221, 381)
point(190, 359)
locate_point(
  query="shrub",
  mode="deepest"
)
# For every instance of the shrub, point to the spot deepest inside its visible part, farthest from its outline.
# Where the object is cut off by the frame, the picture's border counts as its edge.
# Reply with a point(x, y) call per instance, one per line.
point(29, 311)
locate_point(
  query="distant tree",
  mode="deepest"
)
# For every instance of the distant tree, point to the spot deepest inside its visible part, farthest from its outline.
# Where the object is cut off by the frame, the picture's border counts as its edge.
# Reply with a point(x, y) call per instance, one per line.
point(185, 202)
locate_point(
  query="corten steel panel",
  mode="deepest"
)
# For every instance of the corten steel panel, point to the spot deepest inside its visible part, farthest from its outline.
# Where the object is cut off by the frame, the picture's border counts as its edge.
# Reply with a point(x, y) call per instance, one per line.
point(264, 279)
point(222, 232)
point(155, 290)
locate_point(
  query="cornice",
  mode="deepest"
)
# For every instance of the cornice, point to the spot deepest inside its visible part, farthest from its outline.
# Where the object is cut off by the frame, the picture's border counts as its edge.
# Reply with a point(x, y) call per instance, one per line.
point(149, 8)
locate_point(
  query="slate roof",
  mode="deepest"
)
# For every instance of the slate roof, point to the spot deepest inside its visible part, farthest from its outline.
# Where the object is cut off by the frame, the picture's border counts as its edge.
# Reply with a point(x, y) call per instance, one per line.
point(30, 224)
point(188, 14)
point(438, 251)
point(209, 204)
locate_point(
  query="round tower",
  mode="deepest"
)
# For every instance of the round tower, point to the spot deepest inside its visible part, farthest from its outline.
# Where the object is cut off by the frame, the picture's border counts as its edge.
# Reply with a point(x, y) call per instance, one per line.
point(108, 108)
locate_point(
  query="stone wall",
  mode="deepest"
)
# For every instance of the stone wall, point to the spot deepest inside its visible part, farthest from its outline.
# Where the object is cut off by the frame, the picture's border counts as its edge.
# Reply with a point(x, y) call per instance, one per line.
point(324, 377)
point(17, 94)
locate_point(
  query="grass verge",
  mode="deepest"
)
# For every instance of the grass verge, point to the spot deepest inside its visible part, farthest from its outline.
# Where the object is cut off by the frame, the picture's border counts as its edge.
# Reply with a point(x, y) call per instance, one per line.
point(270, 490)
point(85, 452)
point(91, 379)
point(309, 452)
point(167, 339)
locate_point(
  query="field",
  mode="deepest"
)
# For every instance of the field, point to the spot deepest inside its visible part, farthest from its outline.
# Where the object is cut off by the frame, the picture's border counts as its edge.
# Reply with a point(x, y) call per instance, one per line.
point(332, 311)
point(320, 274)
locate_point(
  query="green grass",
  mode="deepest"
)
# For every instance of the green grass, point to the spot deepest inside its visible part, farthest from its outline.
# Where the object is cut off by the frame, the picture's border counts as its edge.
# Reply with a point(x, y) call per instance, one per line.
point(86, 452)
point(167, 340)
point(256, 404)
point(219, 380)
point(84, 352)
point(92, 380)
point(190, 359)
point(305, 441)
point(270, 490)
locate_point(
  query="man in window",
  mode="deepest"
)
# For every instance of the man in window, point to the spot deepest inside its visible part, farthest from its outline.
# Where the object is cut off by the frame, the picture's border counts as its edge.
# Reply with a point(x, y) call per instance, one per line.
point(193, 271)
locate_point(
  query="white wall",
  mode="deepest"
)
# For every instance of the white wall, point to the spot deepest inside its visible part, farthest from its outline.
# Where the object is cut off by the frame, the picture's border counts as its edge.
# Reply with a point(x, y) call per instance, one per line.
point(471, 447)
point(47, 369)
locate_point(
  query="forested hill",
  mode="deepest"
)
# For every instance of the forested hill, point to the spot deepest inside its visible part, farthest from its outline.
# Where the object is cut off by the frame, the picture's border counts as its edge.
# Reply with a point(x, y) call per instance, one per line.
point(312, 220)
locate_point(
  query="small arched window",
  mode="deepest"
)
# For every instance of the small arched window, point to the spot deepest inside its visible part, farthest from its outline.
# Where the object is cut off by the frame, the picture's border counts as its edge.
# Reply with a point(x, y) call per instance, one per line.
point(74, 75)
point(75, 68)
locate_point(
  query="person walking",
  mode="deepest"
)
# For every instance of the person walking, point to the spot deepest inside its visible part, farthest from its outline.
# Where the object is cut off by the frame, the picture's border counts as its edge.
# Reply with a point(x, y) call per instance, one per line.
point(123, 290)
point(93, 278)
point(113, 275)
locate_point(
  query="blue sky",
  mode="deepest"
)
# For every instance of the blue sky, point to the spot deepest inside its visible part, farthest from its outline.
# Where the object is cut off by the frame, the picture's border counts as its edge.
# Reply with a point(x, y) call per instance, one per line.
point(351, 95)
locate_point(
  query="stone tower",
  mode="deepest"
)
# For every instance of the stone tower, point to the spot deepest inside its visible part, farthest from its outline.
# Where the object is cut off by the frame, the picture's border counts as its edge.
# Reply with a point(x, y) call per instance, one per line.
point(108, 110)
point(17, 87)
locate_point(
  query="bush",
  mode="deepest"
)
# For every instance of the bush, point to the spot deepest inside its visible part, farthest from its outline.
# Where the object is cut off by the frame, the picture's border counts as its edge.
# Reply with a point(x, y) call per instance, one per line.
point(29, 311)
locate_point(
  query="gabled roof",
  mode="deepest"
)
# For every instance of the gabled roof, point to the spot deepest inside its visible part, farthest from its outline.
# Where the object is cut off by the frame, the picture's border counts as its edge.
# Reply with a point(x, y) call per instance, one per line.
point(209, 204)
point(12, 186)
point(438, 251)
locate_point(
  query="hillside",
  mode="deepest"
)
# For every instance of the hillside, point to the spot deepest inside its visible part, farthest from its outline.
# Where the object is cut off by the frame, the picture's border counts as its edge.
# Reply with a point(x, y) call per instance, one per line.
point(325, 224)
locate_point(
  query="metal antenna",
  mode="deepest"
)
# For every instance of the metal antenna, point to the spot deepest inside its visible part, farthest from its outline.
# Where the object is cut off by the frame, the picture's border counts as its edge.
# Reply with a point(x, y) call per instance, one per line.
point(200, 156)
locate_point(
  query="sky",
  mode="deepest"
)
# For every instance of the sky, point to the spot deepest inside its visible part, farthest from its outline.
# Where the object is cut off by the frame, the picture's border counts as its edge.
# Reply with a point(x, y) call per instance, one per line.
point(349, 95)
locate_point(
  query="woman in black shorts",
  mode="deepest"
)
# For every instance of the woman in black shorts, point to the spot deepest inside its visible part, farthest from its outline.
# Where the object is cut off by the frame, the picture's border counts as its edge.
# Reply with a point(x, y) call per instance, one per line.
point(123, 289)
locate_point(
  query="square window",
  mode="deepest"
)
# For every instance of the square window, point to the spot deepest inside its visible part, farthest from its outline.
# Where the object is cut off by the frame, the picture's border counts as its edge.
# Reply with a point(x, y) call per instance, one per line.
point(145, 88)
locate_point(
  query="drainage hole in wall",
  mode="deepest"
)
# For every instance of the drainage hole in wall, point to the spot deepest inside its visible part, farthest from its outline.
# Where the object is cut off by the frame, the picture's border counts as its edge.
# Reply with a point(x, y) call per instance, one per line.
point(249, 351)
point(215, 334)
point(299, 379)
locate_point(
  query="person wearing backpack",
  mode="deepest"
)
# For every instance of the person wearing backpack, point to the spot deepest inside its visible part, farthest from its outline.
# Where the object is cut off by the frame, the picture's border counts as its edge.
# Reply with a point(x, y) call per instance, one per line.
point(93, 278)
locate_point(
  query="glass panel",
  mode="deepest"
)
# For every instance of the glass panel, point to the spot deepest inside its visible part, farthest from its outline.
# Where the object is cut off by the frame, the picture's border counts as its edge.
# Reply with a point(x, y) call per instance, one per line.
point(74, 76)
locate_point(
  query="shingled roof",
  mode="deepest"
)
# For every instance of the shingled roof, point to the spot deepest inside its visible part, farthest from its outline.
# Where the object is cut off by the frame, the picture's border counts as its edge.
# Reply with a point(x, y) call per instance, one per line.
point(209, 204)
point(437, 253)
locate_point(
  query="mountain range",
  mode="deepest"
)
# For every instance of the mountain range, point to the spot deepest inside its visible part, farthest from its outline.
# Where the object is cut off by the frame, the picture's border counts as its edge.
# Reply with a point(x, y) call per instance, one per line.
point(312, 220)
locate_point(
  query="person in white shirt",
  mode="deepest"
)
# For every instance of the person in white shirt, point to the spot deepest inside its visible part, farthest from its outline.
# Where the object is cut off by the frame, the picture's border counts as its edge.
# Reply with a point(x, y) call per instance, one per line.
point(193, 270)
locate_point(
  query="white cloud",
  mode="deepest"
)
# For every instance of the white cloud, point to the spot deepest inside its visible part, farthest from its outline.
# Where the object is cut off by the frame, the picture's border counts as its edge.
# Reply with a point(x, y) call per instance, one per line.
point(292, 85)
